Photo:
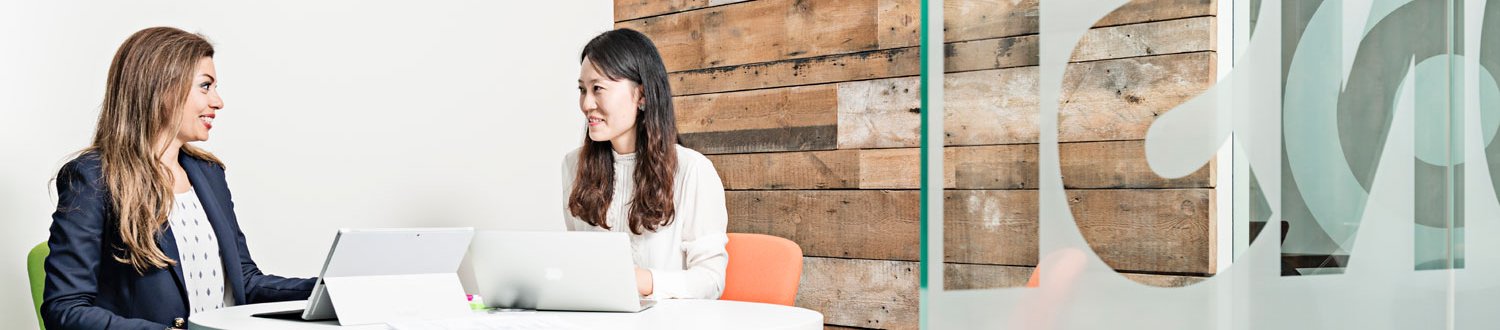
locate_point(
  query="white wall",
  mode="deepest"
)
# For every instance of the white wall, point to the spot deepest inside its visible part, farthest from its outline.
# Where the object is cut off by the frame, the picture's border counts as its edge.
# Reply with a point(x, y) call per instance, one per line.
point(338, 114)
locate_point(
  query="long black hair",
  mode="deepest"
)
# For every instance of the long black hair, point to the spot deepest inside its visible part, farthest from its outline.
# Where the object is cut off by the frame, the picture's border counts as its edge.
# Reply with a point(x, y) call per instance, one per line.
point(628, 54)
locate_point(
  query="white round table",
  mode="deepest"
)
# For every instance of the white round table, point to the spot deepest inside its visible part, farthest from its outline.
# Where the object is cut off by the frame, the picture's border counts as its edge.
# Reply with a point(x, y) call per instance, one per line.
point(667, 314)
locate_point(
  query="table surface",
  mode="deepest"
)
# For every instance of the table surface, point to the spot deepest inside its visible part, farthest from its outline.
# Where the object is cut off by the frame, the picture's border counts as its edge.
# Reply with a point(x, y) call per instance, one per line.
point(667, 314)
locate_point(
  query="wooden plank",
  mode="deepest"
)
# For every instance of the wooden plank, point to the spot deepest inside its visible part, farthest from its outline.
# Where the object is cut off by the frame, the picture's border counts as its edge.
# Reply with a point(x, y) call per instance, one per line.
point(971, 277)
point(1138, 11)
point(678, 38)
point(771, 30)
point(838, 169)
point(990, 227)
point(1118, 99)
point(1148, 230)
point(985, 19)
point(878, 294)
point(883, 113)
point(899, 23)
point(1155, 38)
point(803, 71)
point(1165, 281)
point(870, 224)
point(1120, 164)
point(1141, 230)
point(898, 169)
point(1101, 100)
point(985, 54)
point(992, 106)
point(1107, 164)
point(762, 140)
point(1012, 166)
point(1091, 165)
point(632, 9)
point(800, 106)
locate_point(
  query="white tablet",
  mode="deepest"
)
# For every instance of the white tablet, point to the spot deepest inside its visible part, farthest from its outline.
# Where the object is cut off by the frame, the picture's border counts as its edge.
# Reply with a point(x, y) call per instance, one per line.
point(371, 252)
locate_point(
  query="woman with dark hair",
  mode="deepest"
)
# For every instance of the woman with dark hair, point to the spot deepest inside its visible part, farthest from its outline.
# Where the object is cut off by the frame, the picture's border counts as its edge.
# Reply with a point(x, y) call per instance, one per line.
point(145, 234)
point(631, 175)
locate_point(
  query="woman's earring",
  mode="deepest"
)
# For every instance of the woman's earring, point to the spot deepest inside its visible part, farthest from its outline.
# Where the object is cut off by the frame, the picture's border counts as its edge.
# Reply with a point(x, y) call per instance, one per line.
point(641, 108)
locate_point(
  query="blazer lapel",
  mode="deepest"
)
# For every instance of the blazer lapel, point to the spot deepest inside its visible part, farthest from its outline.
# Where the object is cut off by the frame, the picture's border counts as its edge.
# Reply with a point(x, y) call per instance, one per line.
point(168, 243)
point(218, 217)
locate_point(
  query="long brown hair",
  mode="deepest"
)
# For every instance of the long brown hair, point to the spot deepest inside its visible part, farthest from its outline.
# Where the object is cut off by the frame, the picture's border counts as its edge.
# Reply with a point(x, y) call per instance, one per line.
point(627, 54)
point(149, 81)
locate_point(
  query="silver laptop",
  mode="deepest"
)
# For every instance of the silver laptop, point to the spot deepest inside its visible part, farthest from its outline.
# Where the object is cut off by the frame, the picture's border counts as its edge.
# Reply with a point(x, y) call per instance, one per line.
point(367, 252)
point(565, 271)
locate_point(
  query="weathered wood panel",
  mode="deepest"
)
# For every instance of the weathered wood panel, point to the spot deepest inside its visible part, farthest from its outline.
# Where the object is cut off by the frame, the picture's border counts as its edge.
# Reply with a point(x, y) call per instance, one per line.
point(992, 106)
point(1120, 164)
point(1166, 281)
point(763, 31)
point(1146, 230)
point(871, 224)
point(1105, 164)
point(877, 294)
point(803, 71)
point(836, 169)
point(1151, 230)
point(632, 9)
point(1101, 100)
point(990, 227)
point(984, 19)
point(1085, 165)
point(1011, 166)
point(900, 23)
point(762, 140)
point(1119, 99)
point(1155, 38)
point(998, 53)
point(801, 106)
point(970, 277)
point(966, 20)
point(898, 169)
point(1138, 11)
point(884, 113)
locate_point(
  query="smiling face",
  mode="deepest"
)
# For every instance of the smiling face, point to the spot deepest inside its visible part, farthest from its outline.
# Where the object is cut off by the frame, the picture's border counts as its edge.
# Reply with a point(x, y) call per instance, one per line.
point(610, 105)
point(196, 116)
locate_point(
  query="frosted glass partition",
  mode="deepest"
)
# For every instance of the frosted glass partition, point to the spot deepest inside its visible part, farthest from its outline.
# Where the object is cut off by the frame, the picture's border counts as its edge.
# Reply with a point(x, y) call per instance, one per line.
point(1161, 164)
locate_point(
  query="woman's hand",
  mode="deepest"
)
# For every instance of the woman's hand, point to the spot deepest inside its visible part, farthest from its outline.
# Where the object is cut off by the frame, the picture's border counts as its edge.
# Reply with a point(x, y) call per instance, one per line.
point(643, 281)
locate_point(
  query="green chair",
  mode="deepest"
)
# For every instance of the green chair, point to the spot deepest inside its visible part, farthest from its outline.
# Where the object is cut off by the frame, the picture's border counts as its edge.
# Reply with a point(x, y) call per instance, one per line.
point(34, 262)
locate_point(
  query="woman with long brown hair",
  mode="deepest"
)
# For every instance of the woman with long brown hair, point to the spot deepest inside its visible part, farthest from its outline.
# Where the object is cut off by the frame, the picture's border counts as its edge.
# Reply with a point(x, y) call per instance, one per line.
point(630, 175)
point(145, 233)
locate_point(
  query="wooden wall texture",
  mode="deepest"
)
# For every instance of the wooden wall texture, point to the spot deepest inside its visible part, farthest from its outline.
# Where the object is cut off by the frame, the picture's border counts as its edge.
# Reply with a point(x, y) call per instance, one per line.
point(810, 111)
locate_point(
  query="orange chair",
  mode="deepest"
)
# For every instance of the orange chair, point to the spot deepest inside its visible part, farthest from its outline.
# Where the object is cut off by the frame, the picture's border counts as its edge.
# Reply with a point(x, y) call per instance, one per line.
point(763, 269)
point(1036, 278)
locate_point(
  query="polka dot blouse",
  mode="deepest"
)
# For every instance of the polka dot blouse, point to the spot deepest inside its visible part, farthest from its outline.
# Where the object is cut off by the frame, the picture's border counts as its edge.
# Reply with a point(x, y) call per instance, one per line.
point(198, 254)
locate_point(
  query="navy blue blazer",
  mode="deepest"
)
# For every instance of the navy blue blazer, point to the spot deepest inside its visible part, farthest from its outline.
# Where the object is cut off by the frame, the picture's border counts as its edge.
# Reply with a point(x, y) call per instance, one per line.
point(86, 288)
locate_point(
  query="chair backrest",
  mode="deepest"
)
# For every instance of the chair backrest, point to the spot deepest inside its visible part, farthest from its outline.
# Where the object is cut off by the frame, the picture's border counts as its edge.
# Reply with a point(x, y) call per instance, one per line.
point(34, 262)
point(762, 268)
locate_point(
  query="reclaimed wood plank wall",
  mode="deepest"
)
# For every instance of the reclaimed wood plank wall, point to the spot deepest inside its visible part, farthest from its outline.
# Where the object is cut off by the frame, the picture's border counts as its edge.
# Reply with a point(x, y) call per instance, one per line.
point(810, 111)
